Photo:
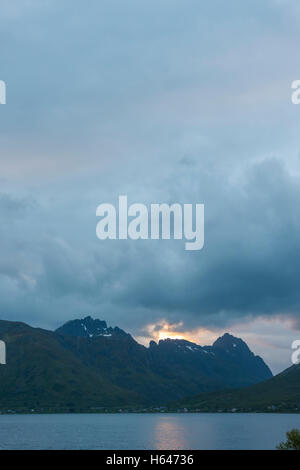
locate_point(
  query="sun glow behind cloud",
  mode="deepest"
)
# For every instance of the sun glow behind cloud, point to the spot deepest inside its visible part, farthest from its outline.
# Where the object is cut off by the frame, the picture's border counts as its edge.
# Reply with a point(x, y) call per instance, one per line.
point(164, 330)
point(170, 334)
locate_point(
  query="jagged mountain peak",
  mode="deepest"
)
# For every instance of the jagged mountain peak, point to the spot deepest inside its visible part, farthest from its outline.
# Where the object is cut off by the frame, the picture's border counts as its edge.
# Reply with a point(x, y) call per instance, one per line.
point(229, 342)
point(88, 327)
point(226, 347)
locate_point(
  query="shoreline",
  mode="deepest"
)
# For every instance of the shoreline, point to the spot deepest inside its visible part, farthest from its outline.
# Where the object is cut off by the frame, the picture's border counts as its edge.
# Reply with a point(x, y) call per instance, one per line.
point(127, 412)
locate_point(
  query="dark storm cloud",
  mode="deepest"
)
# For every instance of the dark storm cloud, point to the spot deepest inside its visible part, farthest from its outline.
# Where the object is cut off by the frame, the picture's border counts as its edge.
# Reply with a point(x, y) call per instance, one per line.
point(250, 264)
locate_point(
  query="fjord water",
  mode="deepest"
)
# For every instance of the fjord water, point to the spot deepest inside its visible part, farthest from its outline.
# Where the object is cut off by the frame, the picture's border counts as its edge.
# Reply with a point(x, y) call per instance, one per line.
point(145, 431)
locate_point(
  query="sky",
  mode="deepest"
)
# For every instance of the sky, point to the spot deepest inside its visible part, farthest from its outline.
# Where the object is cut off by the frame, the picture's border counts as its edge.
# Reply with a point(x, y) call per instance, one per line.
point(165, 102)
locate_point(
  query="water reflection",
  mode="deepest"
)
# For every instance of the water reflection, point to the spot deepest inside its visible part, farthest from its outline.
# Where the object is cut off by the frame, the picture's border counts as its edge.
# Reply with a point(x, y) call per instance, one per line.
point(146, 431)
point(169, 433)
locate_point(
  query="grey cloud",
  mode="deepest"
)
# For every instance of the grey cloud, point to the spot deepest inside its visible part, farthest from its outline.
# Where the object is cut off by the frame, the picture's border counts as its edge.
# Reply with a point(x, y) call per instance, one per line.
point(248, 267)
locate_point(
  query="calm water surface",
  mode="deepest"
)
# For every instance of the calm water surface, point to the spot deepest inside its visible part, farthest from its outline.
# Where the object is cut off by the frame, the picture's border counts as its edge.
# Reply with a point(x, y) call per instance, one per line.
point(145, 431)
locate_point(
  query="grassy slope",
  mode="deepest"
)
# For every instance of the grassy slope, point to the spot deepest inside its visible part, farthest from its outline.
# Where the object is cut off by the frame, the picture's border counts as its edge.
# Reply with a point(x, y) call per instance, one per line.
point(281, 392)
point(40, 372)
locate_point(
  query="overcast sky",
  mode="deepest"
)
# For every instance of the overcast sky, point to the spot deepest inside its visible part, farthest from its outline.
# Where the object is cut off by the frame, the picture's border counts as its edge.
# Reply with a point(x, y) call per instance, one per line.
point(164, 101)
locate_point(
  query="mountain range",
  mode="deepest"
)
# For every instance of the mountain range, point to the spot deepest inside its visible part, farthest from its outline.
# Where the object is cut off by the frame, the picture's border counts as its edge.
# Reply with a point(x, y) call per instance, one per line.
point(86, 365)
